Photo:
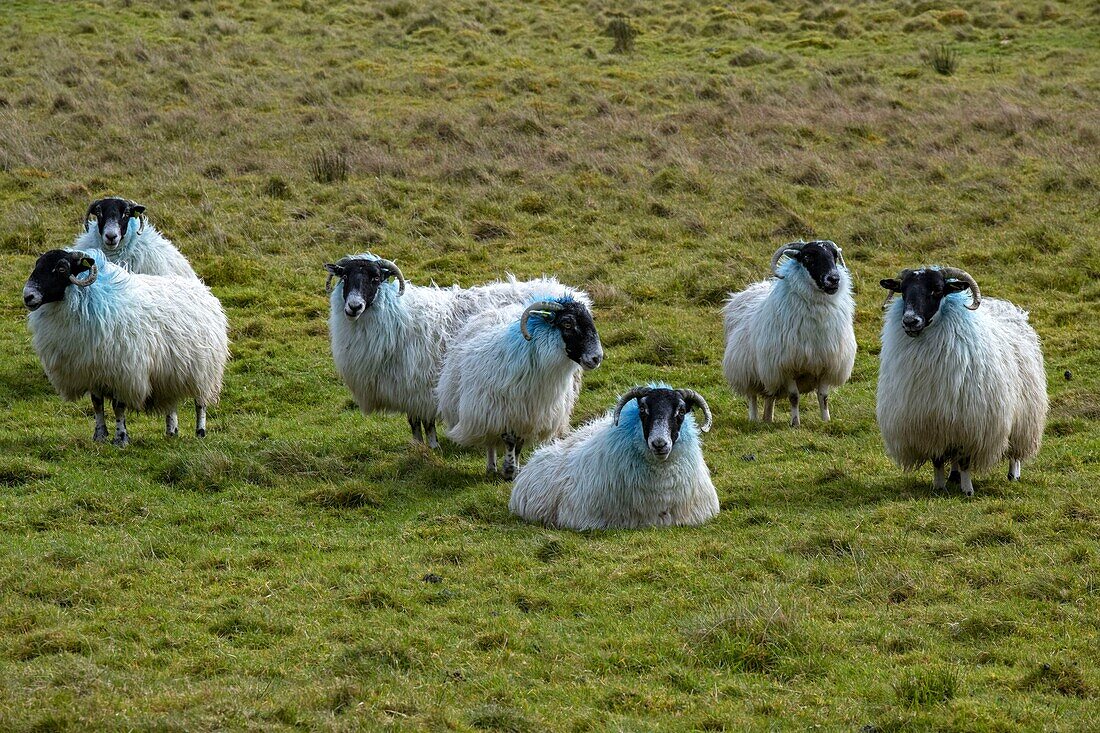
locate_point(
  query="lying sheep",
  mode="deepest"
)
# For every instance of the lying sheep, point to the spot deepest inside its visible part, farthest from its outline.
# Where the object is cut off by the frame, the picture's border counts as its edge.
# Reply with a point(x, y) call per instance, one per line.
point(389, 338)
point(958, 382)
point(794, 334)
point(640, 465)
point(509, 376)
point(145, 341)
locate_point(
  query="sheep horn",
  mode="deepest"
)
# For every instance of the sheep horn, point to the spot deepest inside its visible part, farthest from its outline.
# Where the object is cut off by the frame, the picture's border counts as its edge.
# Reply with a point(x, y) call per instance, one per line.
point(543, 306)
point(901, 278)
point(396, 272)
point(93, 273)
point(632, 394)
point(956, 273)
point(786, 249)
point(695, 399)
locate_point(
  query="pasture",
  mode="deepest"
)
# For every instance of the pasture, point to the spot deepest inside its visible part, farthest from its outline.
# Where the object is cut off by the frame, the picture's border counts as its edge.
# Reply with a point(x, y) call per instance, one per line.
point(307, 568)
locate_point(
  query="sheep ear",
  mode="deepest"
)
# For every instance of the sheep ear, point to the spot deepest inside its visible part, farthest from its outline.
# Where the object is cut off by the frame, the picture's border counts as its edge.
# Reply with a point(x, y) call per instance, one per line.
point(891, 284)
point(137, 209)
point(957, 286)
point(86, 263)
point(334, 269)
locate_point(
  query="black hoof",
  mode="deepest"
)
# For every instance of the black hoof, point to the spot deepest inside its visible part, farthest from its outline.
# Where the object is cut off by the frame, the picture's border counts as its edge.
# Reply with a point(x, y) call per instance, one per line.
point(100, 436)
point(121, 440)
point(200, 433)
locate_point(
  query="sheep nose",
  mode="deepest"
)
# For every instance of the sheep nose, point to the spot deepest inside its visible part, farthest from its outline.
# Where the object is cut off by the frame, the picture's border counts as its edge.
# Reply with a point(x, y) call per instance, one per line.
point(660, 446)
point(593, 362)
point(912, 322)
point(110, 239)
point(354, 309)
point(28, 298)
point(832, 280)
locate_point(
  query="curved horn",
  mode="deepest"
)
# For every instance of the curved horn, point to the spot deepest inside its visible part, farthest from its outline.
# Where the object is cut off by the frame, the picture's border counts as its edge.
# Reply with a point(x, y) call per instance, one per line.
point(396, 272)
point(901, 278)
point(965, 276)
point(93, 273)
point(543, 306)
point(786, 249)
point(694, 398)
point(632, 394)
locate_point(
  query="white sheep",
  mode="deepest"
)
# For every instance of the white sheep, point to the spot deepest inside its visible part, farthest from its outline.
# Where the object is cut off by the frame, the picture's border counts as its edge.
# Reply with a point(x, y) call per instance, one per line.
point(145, 341)
point(640, 465)
point(119, 228)
point(958, 382)
point(793, 334)
point(509, 376)
point(389, 339)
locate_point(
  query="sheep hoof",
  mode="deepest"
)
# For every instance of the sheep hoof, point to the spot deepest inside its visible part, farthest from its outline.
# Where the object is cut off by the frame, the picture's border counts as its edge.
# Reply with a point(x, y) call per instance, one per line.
point(121, 440)
point(200, 433)
point(100, 435)
point(171, 433)
point(508, 473)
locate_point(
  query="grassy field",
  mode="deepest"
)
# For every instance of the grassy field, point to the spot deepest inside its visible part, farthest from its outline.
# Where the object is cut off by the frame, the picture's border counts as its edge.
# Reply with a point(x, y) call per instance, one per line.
point(306, 568)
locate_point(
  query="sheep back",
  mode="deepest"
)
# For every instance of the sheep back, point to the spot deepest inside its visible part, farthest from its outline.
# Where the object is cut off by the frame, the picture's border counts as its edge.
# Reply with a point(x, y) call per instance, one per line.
point(149, 253)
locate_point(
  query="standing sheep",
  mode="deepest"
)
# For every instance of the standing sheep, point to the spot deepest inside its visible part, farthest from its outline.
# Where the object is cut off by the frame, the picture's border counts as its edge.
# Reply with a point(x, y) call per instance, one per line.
point(509, 376)
point(389, 339)
point(958, 383)
point(640, 465)
point(793, 334)
point(145, 341)
point(119, 228)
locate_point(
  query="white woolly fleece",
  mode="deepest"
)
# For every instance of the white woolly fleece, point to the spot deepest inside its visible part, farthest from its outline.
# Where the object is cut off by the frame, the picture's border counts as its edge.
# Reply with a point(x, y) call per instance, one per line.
point(603, 476)
point(495, 382)
point(972, 384)
point(144, 340)
point(778, 331)
point(148, 253)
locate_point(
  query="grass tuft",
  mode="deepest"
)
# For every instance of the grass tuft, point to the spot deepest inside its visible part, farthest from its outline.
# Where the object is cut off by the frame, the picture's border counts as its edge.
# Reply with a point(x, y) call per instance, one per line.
point(329, 165)
point(1064, 678)
point(926, 687)
point(943, 59)
point(622, 33)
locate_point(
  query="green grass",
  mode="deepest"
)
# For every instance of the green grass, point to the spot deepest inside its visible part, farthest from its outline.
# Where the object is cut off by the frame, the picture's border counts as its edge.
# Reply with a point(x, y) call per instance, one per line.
point(306, 568)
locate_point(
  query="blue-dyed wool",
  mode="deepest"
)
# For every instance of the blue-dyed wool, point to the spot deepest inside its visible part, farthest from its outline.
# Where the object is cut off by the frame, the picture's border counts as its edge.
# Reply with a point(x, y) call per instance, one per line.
point(604, 476)
point(971, 384)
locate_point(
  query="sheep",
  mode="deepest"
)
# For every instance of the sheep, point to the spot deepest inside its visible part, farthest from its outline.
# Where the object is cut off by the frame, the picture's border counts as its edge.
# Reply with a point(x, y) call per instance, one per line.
point(794, 334)
point(640, 465)
point(957, 382)
point(145, 341)
point(509, 376)
point(389, 339)
point(118, 227)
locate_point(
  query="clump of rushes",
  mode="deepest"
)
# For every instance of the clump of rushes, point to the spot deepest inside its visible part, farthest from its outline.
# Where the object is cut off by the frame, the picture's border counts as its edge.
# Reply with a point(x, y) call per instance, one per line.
point(944, 60)
point(329, 166)
point(619, 29)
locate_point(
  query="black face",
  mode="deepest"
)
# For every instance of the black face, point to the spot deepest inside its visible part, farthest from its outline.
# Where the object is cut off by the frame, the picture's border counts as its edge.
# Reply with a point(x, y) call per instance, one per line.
point(662, 412)
point(51, 275)
point(112, 217)
point(820, 260)
point(361, 279)
point(922, 291)
point(578, 331)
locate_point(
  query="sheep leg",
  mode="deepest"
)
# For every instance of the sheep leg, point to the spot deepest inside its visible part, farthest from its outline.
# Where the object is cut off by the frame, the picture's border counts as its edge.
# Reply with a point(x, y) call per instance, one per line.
point(100, 434)
point(491, 461)
point(964, 476)
point(429, 433)
point(200, 420)
point(171, 424)
point(121, 438)
point(511, 456)
point(823, 403)
point(953, 478)
point(769, 408)
point(795, 422)
point(1014, 469)
point(941, 476)
point(414, 423)
point(753, 417)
